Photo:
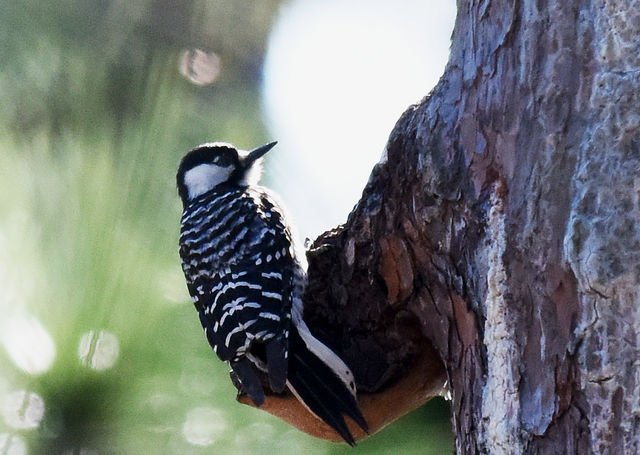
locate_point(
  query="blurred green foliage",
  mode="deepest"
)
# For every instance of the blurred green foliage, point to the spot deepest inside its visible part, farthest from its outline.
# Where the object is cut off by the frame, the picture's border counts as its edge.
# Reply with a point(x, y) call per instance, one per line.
point(94, 120)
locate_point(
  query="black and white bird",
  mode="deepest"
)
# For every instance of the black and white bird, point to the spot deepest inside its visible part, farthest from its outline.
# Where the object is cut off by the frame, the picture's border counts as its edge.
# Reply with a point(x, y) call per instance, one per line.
point(246, 275)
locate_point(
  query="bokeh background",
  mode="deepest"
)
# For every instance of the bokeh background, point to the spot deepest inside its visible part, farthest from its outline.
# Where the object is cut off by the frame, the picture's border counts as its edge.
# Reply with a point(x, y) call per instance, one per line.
point(101, 351)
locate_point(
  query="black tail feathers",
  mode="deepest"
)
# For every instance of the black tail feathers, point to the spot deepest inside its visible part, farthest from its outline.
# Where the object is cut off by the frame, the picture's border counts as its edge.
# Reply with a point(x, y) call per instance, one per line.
point(321, 390)
point(245, 372)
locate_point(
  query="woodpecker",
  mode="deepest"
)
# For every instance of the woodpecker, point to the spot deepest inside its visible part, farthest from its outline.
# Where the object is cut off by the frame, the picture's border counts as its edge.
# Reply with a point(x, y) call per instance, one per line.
point(246, 274)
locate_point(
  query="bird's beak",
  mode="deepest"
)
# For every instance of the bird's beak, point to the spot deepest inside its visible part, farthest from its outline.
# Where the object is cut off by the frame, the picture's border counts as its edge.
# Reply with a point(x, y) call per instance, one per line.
point(258, 153)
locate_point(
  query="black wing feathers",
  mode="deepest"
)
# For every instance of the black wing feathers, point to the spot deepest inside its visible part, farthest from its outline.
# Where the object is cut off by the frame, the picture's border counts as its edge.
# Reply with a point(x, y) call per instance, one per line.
point(237, 259)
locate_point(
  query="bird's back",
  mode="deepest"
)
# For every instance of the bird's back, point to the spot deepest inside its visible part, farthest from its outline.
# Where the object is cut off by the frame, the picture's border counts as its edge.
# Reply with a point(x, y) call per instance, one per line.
point(237, 256)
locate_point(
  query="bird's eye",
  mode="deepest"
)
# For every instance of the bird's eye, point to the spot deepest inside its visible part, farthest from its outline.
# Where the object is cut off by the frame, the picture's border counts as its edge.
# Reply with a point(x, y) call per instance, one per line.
point(221, 160)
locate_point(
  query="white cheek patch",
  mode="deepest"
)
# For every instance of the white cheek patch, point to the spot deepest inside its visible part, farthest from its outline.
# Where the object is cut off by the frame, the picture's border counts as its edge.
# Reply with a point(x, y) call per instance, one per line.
point(205, 177)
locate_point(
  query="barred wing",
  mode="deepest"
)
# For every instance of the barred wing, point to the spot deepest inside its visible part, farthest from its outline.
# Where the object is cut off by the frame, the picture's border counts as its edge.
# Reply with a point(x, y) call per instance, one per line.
point(240, 269)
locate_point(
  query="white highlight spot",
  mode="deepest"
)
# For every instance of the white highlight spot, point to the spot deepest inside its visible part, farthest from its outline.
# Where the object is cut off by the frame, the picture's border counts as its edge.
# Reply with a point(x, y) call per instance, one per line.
point(200, 67)
point(28, 344)
point(22, 410)
point(203, 426)
point(11, 444)
point(98, 351)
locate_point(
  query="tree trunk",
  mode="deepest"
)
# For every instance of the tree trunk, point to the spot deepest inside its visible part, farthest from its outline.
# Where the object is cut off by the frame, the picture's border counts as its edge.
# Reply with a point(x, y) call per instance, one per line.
point(502, 229)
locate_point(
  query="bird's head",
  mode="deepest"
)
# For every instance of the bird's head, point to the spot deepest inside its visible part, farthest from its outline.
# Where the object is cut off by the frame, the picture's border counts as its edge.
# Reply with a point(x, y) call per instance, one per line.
point(215, 163)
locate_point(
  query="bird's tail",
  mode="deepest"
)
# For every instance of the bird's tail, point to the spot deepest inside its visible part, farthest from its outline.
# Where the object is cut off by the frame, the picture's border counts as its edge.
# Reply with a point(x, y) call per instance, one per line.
point(322, 382)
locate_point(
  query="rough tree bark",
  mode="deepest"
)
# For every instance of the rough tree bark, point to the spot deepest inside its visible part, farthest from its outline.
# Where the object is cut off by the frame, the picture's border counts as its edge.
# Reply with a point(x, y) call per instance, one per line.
point(502, 229)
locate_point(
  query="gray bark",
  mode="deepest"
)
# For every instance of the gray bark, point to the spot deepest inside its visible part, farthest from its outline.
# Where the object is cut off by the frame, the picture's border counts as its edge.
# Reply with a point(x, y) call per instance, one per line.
point(502, 229)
